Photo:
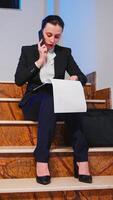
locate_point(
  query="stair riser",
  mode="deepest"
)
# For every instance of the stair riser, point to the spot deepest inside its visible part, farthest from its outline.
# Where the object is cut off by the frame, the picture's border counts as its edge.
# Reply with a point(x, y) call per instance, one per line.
point(23, 165)
point(88, 90)
point(12, 90)
point(11, 110)
point(26, 135)
point(96, 105)
point(66, 195)
point(9, 90)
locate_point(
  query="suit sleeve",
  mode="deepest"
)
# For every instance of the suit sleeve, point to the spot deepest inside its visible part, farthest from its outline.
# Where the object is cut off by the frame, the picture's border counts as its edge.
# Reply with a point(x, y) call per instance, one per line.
point(73, 69)
point(24, 72)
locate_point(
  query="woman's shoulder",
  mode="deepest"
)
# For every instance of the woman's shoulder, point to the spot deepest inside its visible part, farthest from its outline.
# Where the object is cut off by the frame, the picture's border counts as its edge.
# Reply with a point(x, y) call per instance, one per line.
point(30, 47)
point(62, 48)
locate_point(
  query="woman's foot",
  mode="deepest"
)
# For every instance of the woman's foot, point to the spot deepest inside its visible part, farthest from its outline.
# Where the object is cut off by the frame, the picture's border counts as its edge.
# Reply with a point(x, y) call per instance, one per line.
point(83, 168)
point(42, 169)
point(81, 171)
point(43, 174)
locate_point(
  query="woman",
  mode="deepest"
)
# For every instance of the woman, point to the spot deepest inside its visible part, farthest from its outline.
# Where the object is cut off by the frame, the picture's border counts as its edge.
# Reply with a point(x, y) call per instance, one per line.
point(37, 64)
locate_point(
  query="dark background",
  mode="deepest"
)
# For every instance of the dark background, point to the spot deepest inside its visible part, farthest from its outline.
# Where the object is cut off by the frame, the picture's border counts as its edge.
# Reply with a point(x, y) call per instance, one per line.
point(9, 4)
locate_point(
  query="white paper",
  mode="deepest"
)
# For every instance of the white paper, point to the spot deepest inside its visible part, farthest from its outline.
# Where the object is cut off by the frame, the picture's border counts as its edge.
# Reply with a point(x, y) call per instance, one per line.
point(68, 96)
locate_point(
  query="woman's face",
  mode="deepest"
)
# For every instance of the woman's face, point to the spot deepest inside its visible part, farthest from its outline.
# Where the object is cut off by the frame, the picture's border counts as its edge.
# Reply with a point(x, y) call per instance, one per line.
point(52, 34)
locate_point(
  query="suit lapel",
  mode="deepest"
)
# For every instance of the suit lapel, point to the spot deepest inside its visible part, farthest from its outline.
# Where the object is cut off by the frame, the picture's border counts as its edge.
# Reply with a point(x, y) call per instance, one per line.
point(57, 61)
point(35, 52)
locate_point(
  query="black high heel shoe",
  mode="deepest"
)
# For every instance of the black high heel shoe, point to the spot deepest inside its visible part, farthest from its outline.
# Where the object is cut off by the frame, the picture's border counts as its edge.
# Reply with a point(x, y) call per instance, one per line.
point(82, 177)
point(43, 179)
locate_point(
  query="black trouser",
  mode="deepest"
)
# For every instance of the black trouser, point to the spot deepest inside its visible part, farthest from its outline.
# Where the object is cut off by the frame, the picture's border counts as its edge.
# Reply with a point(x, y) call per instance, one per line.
point(40, 108)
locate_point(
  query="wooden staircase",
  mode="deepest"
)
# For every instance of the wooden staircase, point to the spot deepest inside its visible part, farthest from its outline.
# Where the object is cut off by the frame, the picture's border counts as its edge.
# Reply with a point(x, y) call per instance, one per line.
point(17, 164)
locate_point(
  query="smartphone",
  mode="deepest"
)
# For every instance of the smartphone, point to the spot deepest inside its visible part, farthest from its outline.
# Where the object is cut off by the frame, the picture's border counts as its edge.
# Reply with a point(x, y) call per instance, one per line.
point(41, 37)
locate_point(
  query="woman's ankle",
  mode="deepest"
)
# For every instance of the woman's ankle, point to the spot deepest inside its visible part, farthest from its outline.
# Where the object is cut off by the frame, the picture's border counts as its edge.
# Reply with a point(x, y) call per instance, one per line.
point(42, 169)
point(83, 168)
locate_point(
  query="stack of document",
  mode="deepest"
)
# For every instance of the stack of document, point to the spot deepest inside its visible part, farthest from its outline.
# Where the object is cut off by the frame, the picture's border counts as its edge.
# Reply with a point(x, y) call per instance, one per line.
point(68, 96)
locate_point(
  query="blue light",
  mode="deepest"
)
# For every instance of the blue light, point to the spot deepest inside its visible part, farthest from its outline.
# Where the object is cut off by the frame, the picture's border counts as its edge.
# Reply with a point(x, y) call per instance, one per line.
point(20, 4)
point(50, 7)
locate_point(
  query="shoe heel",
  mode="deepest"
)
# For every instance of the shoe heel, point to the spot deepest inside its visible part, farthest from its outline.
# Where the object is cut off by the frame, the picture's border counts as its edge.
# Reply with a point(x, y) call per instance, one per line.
point(76, 171)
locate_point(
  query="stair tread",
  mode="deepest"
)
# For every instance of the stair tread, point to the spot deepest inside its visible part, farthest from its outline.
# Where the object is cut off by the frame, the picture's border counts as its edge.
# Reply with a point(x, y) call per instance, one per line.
point(57, 184)
point(18, 99)
point(95, 100)
point(17, 122)
point(30, 149)
point(6, 82)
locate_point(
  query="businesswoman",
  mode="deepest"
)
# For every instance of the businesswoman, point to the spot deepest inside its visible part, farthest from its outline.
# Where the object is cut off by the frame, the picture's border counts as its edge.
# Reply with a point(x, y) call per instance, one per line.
point(37, 64)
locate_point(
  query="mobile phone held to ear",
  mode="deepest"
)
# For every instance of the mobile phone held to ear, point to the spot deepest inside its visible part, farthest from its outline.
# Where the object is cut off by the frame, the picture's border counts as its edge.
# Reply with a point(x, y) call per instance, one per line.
point(41, 37)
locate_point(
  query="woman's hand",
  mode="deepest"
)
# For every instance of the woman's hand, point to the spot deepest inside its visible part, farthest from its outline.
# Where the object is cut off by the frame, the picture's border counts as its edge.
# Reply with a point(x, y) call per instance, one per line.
point(73, 78)
point(42, 55)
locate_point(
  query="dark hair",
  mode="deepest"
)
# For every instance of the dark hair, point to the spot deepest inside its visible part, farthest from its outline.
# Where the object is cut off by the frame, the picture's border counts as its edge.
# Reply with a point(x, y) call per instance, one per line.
point(53, 19)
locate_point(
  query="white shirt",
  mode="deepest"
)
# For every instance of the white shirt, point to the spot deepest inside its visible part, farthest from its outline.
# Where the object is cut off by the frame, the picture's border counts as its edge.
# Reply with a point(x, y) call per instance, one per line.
point(47, 70)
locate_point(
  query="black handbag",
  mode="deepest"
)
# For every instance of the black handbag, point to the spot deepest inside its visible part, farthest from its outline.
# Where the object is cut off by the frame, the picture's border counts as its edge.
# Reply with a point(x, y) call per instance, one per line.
point(97, 125)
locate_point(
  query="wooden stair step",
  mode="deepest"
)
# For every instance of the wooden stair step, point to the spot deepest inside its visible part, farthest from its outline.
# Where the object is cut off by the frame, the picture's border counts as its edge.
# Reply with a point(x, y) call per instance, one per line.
point(12, 82)
point(9, 109)
point(96, 101)
point(20, 163)
point(22, 122)
point(10, 99)
point(30, 149)
point(10, 89)
point(57, 184)
point(24, 133)
point(18, 99)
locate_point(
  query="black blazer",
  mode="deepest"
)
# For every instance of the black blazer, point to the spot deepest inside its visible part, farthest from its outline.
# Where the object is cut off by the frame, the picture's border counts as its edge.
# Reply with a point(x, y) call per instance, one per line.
point(27, 72)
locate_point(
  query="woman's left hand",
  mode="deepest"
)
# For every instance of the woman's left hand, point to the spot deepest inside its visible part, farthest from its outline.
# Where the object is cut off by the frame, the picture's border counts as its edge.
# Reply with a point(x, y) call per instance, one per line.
point(73, 78)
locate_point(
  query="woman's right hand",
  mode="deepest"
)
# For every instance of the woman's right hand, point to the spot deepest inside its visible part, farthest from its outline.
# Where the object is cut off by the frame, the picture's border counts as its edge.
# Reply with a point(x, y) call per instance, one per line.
point(42, 54)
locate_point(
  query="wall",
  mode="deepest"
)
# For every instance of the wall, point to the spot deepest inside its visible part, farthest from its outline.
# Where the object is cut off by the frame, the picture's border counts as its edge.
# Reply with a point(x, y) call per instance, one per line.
point(104, 43)
point(89, 32)
point(17, 28)
point(79, 32)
